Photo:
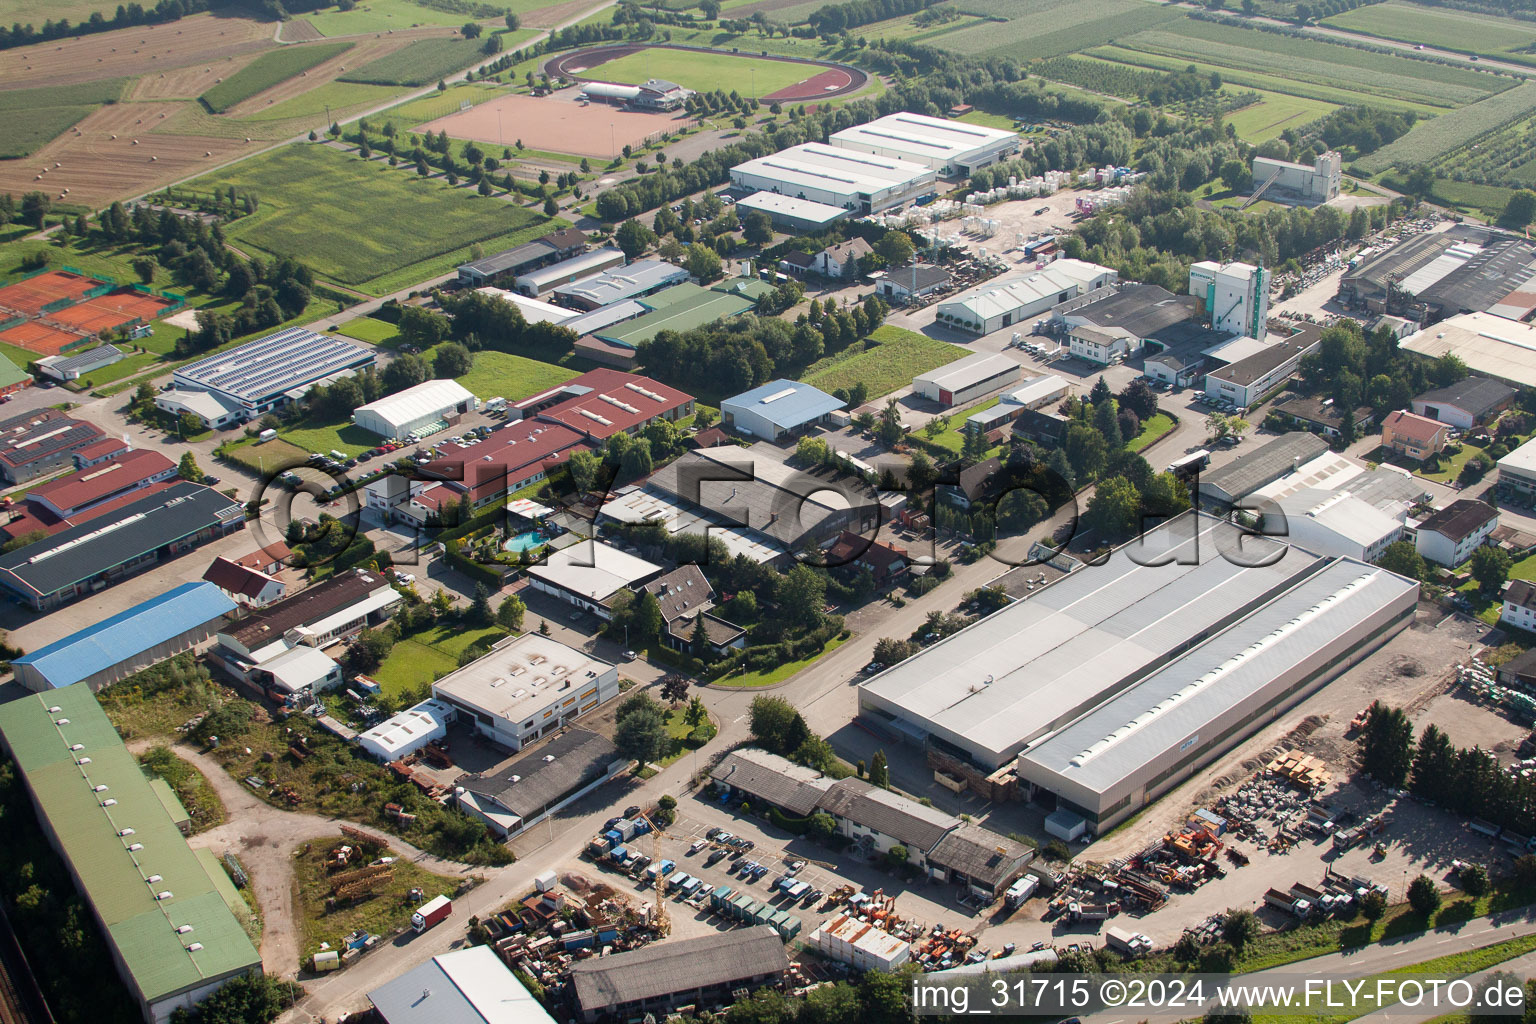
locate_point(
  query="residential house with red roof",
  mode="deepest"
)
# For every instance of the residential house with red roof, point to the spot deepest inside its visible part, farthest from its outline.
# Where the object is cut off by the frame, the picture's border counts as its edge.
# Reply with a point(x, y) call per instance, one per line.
point(248, 588)
point(1415, 436)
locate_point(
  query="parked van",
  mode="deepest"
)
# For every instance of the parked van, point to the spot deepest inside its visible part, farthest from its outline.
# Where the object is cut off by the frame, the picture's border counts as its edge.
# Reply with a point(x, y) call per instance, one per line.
point(266, 435)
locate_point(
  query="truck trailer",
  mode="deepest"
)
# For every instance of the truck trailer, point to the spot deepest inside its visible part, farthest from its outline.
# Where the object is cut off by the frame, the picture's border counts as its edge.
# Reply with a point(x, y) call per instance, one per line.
point(431, 912)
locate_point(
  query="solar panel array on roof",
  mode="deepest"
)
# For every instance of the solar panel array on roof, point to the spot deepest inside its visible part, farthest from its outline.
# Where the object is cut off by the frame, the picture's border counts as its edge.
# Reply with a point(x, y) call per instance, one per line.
point(272, 365)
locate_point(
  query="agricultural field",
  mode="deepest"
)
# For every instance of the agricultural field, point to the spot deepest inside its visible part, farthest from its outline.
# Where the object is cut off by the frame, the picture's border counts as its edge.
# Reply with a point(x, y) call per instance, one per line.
point(440, 104)
point(35, 117)
point(1449, 132)
point(1335, 73)
point(1274, 113)
point(421, 63)
point(201, 40)
point(268, 70)
point(1443, 27)
point(394, 15)
point(908, 30)
point(343, 216)
point(366, 328)
point(336, 97)
point(35, 12)
point(891, 363)
point(704, 71)
point(1028, 29)
point(1505, 157)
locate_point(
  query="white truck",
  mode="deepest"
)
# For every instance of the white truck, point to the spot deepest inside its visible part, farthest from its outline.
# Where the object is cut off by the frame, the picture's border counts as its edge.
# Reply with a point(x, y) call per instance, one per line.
point(1020, 891)
point(1128, 942)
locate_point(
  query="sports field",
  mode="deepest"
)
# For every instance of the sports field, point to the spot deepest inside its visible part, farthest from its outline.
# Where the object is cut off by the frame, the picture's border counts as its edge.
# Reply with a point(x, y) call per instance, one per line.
point(750, 76)
point(362, 222)
point(555, 125)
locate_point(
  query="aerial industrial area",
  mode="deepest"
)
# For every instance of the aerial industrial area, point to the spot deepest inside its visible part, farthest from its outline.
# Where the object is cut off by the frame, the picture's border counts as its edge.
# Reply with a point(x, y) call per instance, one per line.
point(941, 490)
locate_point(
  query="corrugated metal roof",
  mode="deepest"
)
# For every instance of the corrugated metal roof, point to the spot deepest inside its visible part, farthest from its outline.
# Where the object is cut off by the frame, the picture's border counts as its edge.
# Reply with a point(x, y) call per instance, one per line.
point(121, 636)
point(681, 965)
point(114, 878)
point(785, 403)
point(467, 986)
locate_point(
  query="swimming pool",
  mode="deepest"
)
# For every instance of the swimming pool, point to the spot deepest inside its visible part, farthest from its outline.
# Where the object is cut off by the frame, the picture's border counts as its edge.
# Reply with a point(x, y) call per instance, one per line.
point(524, 541)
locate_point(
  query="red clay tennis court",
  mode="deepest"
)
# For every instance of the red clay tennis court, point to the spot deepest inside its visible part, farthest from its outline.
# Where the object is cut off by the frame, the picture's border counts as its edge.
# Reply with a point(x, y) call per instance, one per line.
point(91, 316)
point(134, 304)
point(31, 295)
point(39, 338)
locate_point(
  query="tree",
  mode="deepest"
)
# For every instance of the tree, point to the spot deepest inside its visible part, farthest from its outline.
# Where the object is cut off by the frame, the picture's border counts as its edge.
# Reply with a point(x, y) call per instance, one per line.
point(698, 640)
point(480, 608)
point(512, 21)
point(1386, 745)
point(422, 328)
point(451, 360)
point(801, 593)
point(1238, 926)
point(1474, 880)
point(1139, 399)
point(641, 735)
point(879, 770)
point(1373, 905)
point(704, 263)
point(895, 248)
point(896, 856)
point(509, 614)
point(674, 687)
point(492, 45)
point(1490, 567)
point(1520, 210)
point(1402, 558)
point(634, 238)
point(1115, 509)
point(187, 468)
point(404, 372)
point(1085, 451)
point(1100, 391)
point(584, 467)
point(822, 827)
point(35, 207)
point(645, 618)
point(144, 267)
point(1236, 175)
point(551, 207)
point(696, 713)
point(471, 30)
point(921, 472)
point(770, 720)
point(1424, 896)
point(188, 423)
point(757, 227)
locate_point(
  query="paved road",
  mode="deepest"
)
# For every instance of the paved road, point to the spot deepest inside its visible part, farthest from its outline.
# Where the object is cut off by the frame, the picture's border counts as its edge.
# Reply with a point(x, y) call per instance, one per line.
point(1391, 955)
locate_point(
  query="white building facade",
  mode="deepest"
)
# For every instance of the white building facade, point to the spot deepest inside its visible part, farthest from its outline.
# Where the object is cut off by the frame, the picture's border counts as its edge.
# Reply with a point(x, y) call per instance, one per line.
point(1234, 295)
point(416, 409)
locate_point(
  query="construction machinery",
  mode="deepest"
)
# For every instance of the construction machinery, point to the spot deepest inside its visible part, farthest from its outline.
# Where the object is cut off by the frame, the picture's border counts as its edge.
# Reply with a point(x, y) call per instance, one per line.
point(662, 921)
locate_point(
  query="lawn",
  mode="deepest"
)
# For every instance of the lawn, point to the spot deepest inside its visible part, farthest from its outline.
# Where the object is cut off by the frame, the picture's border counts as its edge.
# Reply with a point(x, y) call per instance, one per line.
point(511, 377)
point(363, 223)
point(267, 456)
point(751, 76)
point(1151, 430)
point(320, 438)
point(267, 70)
point(1450, 467)
point(366, 328)
point(333, 97)
point(897, 356)
point(678, 731)
point(384, 911)
point(420, 63)
point(425, 657)
point(1273, 114)
point(750, 680)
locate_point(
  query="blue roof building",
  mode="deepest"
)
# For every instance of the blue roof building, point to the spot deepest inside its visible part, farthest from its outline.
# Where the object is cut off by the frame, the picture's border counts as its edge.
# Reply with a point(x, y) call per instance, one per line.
point(125, 643)
point(776, 408)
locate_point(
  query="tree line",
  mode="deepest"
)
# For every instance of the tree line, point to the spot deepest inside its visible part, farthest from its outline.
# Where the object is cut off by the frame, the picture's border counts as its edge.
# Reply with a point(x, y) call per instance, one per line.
point(1467, 780)
point(749, 350)
point(835, 18)
point(126, 16)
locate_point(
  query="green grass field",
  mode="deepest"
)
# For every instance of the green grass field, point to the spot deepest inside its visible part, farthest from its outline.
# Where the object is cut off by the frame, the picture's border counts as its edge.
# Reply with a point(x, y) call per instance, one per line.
point(319, 437)
point(704, 71)
point(426, 656)
point(366, 224)
point(36, 12)
point(389, 15)
point(1151, 430)
point(1275, 113)
point(440, 104)
point(777, 674)
point(267, 70)
point(35, 117)
point(420, 63)
point(366, 328)
point(511, 377)
point(1443, 27)
point(899, 356)
point(335, 97)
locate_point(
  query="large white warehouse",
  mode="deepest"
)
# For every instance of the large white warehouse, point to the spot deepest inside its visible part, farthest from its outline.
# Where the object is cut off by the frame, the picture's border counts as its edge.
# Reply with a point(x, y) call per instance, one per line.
point(1007, 301)
point(964, 379)
point(426, 408)
point(1116, 682)
point(948, 147)
point(837, 177)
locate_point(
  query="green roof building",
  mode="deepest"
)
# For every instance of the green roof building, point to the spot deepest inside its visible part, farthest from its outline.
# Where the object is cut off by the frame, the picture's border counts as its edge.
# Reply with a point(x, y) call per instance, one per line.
point(173, 935)
point(693, 307)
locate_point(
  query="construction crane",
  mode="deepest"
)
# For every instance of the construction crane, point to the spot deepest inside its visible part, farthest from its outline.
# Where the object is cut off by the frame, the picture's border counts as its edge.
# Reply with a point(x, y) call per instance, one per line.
point(662, 921)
